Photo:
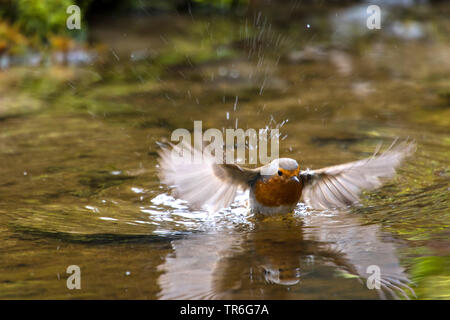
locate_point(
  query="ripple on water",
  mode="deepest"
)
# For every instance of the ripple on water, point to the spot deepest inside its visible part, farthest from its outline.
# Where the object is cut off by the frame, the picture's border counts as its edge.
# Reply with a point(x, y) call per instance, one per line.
point(167, 208)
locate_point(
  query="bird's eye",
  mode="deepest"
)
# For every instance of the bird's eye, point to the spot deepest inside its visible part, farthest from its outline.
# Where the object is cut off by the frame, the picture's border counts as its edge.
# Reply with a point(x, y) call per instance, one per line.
point(280, 173)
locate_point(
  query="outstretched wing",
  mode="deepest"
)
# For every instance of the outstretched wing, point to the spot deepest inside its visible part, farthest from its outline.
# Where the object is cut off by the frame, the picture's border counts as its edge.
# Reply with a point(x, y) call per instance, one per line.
point(340, 186)
point(202, 183)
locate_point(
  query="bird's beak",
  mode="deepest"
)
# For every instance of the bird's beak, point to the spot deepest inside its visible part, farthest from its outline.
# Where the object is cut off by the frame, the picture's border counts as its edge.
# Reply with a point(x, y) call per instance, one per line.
point(295, 178)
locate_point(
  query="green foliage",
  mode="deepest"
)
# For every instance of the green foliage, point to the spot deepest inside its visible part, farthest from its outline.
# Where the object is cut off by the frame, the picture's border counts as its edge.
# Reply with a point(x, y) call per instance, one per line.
point(11, 39)
point(170, 5)
point(43, 17)
point(40, 20)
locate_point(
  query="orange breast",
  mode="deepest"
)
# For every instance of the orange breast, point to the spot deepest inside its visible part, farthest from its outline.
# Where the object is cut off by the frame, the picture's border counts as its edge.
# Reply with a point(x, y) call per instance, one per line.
point(277, 191)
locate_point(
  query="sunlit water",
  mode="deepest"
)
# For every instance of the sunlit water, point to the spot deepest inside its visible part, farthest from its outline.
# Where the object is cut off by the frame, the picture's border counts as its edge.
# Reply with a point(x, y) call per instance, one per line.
point(78, 161)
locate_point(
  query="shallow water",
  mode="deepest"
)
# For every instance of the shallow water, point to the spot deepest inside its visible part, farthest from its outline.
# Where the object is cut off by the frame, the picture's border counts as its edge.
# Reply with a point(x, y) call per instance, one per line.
point(78, 159)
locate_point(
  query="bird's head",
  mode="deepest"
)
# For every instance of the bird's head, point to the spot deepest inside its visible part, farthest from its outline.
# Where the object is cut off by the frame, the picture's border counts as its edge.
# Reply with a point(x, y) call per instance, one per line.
point(284, 169)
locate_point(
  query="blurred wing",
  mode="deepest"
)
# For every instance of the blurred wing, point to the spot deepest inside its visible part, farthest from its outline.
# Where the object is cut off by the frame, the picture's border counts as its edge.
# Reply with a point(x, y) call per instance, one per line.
point(340, 186)
point(203, 183)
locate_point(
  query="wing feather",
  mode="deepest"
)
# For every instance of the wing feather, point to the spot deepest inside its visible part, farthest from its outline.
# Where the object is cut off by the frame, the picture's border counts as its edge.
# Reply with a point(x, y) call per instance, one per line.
point(204, 184)
point(340, 186)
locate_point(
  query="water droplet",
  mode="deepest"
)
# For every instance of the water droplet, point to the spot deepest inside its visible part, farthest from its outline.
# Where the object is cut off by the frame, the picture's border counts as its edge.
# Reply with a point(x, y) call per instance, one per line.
point(137, 190)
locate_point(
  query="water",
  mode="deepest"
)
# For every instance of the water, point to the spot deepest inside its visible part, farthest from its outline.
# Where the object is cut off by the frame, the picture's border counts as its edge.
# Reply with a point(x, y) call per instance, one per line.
point(78, 161)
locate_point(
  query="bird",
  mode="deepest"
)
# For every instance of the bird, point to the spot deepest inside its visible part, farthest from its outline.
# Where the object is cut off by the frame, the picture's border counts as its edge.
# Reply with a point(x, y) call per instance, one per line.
point(278, 186)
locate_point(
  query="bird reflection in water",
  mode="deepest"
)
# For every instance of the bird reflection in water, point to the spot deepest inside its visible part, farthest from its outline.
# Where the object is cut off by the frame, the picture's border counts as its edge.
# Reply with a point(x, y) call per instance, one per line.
point(322, 255)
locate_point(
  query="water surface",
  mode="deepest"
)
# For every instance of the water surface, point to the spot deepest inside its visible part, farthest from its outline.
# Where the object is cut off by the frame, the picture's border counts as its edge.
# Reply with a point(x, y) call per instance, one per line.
point(78, 158)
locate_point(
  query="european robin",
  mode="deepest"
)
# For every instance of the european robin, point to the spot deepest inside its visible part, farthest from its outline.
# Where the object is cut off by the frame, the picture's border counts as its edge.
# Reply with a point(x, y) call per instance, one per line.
point(278, 186)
